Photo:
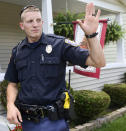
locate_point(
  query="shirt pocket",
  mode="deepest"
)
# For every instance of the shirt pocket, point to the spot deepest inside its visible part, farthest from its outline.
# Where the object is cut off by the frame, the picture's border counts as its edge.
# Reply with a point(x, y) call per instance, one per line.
point(21, 67)
point(49, 66)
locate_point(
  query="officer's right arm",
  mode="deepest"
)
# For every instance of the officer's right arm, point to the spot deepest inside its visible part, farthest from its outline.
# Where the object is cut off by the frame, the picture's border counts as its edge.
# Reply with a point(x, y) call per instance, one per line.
point(13, 114)
point(11, 75)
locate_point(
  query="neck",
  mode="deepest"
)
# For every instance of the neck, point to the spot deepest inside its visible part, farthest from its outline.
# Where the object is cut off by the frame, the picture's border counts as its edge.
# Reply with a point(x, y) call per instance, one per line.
point(32, 40)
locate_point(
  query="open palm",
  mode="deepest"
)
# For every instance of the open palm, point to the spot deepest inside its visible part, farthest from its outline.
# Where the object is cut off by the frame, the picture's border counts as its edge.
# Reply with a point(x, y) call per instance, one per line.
point(91, 22)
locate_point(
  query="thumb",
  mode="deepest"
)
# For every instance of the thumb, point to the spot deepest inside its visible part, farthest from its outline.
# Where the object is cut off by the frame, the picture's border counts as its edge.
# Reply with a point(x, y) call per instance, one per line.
point(80, 22)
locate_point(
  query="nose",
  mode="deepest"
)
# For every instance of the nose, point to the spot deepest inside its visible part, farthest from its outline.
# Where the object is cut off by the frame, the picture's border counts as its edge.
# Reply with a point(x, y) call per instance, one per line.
point(35, 23)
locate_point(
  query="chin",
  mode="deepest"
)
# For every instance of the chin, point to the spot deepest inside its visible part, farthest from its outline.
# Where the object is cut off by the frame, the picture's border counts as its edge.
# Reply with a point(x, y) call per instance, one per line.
point(36, 35)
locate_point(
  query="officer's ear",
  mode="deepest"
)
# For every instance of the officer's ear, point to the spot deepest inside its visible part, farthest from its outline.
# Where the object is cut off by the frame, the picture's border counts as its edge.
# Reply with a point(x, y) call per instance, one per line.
point(21, 25)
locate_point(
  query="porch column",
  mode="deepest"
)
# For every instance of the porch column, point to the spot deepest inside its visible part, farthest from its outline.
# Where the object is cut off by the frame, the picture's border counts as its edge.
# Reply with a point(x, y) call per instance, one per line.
point(120, 43)
point(47, 16)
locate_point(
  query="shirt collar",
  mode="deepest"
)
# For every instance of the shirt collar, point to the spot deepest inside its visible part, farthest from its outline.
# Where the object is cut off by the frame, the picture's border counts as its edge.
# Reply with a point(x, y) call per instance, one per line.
point(43, 40)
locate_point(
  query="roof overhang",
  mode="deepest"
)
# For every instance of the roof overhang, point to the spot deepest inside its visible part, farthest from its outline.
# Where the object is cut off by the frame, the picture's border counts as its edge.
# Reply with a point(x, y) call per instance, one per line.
point(76, 6)
point(114, 6)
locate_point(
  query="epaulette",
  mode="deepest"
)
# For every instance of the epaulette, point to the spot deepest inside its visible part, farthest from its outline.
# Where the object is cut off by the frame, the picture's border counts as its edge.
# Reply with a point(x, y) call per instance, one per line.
point(73, 43)
point(56, 36)
point(16, 48)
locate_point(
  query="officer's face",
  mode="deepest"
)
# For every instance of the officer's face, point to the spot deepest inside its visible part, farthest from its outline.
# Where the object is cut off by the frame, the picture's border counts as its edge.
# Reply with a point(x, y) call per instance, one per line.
point(32, 25)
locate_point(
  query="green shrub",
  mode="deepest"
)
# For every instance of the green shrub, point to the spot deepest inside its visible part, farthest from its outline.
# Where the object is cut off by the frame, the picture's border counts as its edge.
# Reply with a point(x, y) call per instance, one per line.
point(117, 93)
point(3, 88)
point(89, 104)
point(66, 30)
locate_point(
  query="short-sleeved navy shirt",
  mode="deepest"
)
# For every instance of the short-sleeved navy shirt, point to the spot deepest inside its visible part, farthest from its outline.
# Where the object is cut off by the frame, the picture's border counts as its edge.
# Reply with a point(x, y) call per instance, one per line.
point(40, 68)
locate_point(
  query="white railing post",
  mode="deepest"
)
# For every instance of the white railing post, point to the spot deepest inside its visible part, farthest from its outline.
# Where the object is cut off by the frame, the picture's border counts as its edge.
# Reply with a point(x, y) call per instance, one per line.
point(47, 16)
point(120, 43)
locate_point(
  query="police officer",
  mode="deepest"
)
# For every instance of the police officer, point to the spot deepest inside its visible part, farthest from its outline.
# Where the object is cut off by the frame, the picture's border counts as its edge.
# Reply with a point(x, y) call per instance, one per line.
point(38, 63)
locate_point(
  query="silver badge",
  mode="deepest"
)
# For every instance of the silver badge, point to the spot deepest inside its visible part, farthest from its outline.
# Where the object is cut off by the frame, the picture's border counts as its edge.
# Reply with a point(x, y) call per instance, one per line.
point(49, 49)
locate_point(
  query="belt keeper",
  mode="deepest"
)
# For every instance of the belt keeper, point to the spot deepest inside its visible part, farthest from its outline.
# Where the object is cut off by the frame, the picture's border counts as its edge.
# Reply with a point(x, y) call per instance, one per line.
point(42, 113)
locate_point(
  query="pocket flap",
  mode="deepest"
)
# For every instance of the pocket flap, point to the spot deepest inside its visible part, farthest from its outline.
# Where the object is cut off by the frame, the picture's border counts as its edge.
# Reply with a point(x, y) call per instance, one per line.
point(50, 60)
point(21, 64)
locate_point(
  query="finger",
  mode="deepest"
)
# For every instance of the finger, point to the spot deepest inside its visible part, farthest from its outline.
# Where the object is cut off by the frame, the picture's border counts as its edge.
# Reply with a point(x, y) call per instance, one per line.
point(15, 120)
point(9, 119)
point(87, 10)
point(93, 10)
point(98, 14)
point(19, 117)
point(80, 23)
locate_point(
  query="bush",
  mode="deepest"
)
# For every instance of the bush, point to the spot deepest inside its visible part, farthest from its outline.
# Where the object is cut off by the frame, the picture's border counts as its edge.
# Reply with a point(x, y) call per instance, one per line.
point(117, 93)
point(3, 94)
point(66, 30)
point(3, 87)
point(89, 104)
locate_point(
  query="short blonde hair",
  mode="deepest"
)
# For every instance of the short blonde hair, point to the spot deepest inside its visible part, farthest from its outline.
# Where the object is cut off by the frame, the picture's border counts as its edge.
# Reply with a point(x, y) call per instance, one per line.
point(29, 8)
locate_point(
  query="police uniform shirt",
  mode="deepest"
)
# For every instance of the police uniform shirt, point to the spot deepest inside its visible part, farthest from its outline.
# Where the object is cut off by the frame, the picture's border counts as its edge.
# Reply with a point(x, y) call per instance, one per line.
point(40, 67)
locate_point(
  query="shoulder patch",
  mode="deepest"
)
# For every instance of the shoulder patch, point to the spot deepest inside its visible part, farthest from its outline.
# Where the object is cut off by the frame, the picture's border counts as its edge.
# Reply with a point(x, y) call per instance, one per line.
point(70, 42)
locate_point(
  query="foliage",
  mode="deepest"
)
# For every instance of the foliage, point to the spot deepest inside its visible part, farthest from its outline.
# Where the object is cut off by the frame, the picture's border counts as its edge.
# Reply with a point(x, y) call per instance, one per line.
point(117, 93)
point(89, 104)
point(66, 30)
point(17, 128)
point(114, 32)
point(3, 88)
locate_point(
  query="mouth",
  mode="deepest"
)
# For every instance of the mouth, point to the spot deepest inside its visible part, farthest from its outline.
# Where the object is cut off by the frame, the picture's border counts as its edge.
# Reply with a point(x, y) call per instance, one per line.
point(35, 31)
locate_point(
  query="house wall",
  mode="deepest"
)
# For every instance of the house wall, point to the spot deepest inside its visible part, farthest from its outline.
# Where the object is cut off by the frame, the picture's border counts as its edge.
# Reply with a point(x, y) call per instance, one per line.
point(124, 27)
point(10, 33)
point(110, 49)
point(107, 76)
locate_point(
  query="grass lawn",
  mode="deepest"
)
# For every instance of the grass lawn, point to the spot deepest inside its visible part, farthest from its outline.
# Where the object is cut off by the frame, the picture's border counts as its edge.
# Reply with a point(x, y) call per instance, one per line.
point(116, 125)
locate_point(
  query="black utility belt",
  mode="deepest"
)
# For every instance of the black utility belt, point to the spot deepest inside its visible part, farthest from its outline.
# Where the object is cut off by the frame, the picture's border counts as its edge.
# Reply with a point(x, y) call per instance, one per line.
point(35, 112)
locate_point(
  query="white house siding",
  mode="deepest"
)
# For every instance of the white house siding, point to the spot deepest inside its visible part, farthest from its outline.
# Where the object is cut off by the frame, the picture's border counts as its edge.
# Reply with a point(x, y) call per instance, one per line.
point(110, 50)
point(124, 27)
point(108, 75)
point(10, 33)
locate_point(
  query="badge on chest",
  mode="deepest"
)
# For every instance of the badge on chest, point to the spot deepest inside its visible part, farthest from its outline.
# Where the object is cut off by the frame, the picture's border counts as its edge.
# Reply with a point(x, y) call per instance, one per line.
point(48, 49)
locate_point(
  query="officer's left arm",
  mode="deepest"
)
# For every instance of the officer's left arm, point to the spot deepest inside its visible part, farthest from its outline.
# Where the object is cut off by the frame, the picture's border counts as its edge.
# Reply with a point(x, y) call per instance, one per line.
point(90, 25)
point(96, 55)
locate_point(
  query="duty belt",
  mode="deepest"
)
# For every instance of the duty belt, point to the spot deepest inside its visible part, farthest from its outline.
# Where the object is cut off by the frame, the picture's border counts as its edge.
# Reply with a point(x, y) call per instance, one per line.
point(35, 112)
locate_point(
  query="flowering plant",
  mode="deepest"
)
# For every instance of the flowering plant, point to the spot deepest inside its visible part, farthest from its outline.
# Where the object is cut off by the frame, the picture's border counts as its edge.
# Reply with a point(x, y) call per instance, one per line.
point(17, 128)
